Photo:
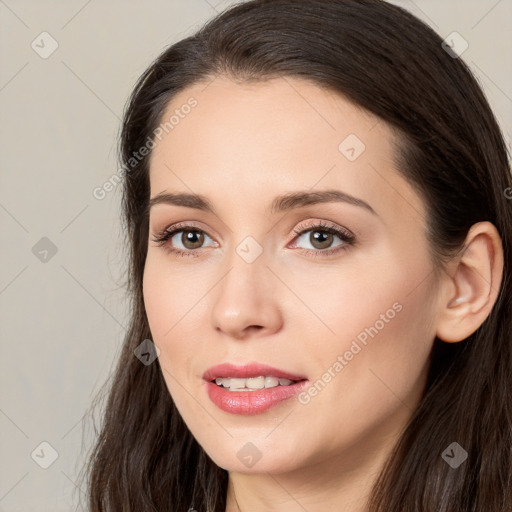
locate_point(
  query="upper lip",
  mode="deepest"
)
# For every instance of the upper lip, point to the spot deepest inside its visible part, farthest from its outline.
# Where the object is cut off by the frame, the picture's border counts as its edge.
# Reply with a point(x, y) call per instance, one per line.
point(247, 371)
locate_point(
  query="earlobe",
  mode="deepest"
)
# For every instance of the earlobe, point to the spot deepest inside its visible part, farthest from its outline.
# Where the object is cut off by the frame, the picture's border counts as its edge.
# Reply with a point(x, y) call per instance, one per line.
point(472, 285)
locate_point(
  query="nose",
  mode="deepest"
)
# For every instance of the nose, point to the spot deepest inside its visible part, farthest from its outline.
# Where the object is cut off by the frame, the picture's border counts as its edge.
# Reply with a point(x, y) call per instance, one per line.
point(247, 300)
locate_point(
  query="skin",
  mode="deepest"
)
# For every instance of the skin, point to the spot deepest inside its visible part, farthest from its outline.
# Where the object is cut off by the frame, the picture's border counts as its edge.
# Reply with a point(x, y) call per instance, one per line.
point(242, 145)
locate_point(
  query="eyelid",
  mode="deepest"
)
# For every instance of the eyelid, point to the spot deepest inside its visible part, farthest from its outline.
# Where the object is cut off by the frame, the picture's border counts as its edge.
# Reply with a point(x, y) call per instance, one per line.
point(310, 224)
point(320, 225)
point(176, 227)
point(345, 235)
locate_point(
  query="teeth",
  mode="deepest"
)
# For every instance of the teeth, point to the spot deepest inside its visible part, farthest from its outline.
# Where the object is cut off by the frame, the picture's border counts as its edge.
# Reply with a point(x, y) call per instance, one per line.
point(251, 384)
point(271, 382)
point(235, 383)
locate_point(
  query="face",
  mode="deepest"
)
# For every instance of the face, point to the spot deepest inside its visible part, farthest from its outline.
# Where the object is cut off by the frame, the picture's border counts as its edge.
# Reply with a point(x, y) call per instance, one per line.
point(334, 290)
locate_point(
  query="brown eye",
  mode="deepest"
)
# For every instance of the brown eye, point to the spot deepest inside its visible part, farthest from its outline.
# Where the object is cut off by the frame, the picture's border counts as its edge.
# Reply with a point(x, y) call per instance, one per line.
point(182, 240)
point(192, 239)
point(320, 239)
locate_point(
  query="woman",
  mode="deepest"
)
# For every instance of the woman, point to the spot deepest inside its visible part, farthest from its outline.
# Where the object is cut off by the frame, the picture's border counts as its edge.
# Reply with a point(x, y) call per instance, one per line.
point(315, 199)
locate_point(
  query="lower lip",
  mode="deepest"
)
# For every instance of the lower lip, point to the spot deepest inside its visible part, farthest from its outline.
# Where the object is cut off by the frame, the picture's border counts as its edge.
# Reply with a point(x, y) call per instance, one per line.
point(251, 402)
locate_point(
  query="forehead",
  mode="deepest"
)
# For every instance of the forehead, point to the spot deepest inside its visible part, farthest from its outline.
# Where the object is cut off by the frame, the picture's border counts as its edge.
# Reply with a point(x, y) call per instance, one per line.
point(283, 114)
point(265, 138)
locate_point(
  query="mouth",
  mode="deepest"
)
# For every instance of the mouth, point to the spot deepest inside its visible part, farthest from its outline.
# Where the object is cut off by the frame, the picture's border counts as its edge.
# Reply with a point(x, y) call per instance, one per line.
point(253, 383)
point(251, 389)
point(250, 377)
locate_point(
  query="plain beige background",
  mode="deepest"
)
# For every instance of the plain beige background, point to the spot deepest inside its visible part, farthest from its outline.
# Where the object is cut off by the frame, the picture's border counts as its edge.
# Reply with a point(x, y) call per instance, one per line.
point(63, 312)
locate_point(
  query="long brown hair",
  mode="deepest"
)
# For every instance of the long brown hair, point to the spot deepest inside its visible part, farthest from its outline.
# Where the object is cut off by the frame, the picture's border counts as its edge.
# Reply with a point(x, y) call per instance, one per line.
point(385, 60)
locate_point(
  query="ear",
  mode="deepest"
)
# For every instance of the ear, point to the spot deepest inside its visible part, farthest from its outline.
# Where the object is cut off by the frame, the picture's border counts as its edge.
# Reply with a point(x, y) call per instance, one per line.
point(471, 286)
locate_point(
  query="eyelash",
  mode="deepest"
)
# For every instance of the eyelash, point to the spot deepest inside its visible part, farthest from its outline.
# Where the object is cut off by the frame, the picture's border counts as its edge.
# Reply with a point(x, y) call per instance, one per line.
point(349, 239)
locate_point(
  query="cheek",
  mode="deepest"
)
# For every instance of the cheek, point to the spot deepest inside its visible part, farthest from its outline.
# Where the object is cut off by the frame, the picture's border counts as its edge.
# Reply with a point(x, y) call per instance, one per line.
point(176, 312)
point(169, 311)
point(172, 297)
point(162, 310)
point(381, 330)
point(374, 370)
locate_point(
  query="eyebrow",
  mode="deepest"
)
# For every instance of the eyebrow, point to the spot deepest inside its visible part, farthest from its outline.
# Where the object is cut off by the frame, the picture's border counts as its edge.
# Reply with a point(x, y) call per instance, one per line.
point(281, 203)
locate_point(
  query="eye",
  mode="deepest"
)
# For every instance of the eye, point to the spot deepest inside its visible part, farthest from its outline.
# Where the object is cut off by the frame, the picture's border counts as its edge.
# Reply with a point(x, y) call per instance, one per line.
point(321, 237)
point(189, 237)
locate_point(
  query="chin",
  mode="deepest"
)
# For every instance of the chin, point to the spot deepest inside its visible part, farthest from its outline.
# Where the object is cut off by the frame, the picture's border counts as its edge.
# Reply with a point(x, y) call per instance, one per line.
point(245, 457)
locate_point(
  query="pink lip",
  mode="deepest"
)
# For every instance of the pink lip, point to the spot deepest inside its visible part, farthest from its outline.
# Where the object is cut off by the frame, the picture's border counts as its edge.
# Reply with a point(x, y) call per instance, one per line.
point(250, 402)
point(247, 371)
